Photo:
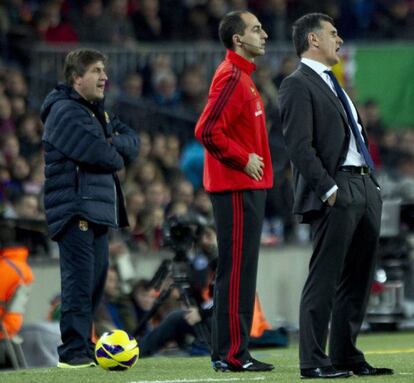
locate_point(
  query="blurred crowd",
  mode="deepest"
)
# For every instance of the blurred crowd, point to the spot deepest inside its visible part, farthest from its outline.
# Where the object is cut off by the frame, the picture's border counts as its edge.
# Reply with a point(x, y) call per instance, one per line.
point(166, 179)
point(130, 22)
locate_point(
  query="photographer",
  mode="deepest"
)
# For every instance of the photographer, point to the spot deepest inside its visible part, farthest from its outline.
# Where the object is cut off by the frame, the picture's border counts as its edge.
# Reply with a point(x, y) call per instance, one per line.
point(186, 277)
point(176, 326)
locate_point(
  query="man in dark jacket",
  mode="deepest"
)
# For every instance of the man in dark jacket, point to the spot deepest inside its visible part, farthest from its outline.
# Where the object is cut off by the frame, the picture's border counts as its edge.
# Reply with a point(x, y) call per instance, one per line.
point(84, 148)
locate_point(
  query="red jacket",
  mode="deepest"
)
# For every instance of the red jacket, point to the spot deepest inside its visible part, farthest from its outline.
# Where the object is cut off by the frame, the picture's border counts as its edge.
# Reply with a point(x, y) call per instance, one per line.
point(233, 125)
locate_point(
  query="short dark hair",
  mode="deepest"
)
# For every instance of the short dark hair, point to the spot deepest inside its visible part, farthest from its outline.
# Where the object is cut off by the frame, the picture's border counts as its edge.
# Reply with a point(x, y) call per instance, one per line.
point(310, 22)
point(230, 24)
point(77, 61)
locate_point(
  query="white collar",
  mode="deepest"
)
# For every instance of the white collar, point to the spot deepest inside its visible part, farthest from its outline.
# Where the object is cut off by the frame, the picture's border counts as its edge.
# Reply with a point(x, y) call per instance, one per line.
point(317, 66)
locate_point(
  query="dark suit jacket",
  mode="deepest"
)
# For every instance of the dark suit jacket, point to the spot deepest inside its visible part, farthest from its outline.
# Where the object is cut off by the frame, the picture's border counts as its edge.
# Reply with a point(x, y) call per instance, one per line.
point(317, 136)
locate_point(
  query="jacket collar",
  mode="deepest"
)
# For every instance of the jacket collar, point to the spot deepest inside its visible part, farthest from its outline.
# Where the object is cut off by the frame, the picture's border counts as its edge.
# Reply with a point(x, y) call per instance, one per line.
point(240, 62)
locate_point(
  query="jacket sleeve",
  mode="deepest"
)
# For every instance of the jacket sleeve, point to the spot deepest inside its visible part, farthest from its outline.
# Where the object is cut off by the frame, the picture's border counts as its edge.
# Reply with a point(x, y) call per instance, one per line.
point(297, 119)
point(74, 133)
point(223, 107)
point(125, 140)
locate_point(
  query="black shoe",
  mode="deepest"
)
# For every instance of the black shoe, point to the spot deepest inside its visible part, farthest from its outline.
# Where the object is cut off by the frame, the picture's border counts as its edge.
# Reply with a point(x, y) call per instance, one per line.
point(251, 365)
point(327, 372)
point(79, 362)
point(365, 369)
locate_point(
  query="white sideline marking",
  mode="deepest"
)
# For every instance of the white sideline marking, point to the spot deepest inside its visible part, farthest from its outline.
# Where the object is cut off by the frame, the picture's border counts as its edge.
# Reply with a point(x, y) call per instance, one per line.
point(407, 350)
point(200, 380)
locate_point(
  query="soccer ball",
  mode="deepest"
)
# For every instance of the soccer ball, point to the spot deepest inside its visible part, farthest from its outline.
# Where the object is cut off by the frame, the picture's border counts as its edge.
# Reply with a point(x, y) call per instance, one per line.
point(116, 350)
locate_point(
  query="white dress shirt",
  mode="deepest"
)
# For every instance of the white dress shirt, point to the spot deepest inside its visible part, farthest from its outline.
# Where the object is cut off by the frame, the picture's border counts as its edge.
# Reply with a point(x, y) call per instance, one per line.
point(353, 157)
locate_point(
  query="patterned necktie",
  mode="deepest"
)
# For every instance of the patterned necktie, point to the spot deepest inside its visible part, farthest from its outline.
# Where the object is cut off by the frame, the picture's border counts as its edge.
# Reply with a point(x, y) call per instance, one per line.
point(362, 148)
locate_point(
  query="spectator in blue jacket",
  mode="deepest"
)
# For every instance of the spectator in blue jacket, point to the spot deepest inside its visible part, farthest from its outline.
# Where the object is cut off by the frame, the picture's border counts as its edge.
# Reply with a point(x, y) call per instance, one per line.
point(84, 147)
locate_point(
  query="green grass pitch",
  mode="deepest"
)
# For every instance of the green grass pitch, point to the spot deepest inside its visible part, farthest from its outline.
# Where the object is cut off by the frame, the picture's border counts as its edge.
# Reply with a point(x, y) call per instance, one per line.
point(394, 350)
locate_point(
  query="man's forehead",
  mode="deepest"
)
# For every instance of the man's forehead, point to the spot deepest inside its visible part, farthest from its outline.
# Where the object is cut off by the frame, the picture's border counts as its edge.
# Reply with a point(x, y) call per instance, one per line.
point(98, 64)
point(328, 26)
point(250, 20)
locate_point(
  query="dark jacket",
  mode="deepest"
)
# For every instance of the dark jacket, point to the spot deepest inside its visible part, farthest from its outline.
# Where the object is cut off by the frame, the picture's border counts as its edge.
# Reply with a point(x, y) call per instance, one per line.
point(317, 137)
point(84, 147)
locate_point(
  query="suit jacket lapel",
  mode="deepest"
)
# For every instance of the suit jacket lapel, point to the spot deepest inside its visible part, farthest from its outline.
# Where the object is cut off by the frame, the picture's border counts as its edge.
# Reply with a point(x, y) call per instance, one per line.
point(316, 79)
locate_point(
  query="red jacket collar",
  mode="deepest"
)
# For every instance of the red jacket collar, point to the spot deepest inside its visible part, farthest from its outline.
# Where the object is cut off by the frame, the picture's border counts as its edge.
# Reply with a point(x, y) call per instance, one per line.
point(241, 62)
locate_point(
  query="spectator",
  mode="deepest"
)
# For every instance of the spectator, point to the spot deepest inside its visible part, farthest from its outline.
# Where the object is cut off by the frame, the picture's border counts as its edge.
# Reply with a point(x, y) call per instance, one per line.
point(52, 27)
point(157, 194)
point(193, 90)
point(174, 327)
point(287, 66)
point(116, 20)
point(29, 131)
point(23, 206)
point(198, 24)
point(135, 205)
point(183, 191)
point(15, 277)
point(7, 125)
point(275, 18)
point(10, 147)
point(202, 204)
point(147, 234)
point(16, 84)
point(147, 22)
point(108, 315)
point(165, 89)
point(90, 23)
point(192, 162)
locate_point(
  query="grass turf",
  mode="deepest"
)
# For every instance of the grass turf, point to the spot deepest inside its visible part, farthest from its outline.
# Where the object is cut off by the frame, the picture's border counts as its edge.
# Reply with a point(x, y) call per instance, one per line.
point(394, 350)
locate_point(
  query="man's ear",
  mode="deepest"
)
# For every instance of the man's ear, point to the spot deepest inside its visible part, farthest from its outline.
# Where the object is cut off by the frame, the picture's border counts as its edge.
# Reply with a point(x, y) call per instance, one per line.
point(313, 39)
point(76, 78)
point(237, 40)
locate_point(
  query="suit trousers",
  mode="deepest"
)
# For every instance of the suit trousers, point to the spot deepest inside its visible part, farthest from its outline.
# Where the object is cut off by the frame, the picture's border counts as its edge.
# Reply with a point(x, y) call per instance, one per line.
point(239, 217)
point(83, 251)
point(341, 271)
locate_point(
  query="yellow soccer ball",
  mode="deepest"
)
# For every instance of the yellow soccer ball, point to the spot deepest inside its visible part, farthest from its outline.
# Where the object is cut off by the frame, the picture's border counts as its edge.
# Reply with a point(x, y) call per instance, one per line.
point(116, 351)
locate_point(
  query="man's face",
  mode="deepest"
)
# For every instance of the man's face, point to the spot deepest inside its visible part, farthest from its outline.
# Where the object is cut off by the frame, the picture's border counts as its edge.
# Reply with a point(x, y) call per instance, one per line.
point(91, 86)
point(328, 43)
point(254, 39)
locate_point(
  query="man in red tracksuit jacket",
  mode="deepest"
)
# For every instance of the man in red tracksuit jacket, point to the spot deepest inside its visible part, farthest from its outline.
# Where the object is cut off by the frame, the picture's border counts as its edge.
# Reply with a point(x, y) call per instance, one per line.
point(237, 172)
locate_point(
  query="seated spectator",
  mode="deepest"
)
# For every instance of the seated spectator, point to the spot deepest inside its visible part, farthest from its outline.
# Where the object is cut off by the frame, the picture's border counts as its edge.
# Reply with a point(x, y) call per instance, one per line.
point(108, 314)
point(183, 191)
point(52, 26)
point(175, 327)
point(9, 147)
point(117, 21)
point(287, 66)
point(194, 88)
point(15, 276)
point(165, 89)
point(89, 23)
point(16, 84)
point(192, 163)
point(147, 234)
point(7, 125)
point(135, 205)
point(147, 22)
point(23, 206)
point(157, 194)
point(202, 204)
point(29, 132)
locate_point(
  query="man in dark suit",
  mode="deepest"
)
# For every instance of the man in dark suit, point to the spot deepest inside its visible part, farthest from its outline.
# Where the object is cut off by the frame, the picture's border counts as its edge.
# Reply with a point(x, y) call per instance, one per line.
point(337, 194)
